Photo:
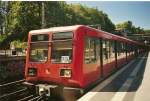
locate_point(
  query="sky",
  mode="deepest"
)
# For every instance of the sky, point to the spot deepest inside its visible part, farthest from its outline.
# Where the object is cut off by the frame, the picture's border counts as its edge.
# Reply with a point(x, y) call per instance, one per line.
point(136, 11)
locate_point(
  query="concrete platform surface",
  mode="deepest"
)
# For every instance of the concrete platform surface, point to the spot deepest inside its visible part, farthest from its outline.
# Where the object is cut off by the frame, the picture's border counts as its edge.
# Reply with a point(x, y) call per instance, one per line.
point(131, 83)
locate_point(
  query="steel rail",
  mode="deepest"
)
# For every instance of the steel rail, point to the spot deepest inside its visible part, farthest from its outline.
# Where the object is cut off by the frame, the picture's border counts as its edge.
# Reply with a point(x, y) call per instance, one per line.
point(10, 83)
point(34, 98)
point(13, 93)
point(25, 98)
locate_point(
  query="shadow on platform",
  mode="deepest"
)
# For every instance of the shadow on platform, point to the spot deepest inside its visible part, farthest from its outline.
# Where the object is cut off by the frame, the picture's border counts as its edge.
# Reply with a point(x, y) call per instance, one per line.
point(118, 82)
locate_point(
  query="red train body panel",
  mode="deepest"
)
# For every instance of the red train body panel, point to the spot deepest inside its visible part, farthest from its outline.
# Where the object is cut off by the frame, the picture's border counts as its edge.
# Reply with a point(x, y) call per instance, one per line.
point(82, 74)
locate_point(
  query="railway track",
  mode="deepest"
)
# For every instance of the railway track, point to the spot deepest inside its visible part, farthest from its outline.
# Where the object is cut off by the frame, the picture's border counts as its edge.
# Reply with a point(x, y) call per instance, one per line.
point(10, 83)
point(16, 91)
point(8, 96)
point(10, 90)
point(11, 87)
point(26, 98)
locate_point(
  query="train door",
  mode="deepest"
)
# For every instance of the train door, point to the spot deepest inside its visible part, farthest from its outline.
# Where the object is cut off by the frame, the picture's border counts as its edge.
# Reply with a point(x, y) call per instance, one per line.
point(121, 54)
point(108, 56)
point(91, 66)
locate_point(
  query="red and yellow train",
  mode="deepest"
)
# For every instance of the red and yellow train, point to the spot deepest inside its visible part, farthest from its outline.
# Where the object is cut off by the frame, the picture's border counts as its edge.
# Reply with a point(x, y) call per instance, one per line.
point(74, 57)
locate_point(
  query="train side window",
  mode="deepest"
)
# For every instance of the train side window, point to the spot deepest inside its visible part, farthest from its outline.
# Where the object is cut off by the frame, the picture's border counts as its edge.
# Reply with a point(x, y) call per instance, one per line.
point(119, 47)
point(105, 50)
point(87, 50)
point(98, 51)
point(133, 50)
point(90, 51)
point(108, 49)
point(112, 50)
point(128, 50)
point(121, 50)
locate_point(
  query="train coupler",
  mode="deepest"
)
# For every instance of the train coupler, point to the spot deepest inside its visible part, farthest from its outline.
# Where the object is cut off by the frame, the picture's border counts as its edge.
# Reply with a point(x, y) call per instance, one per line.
point(48, 90)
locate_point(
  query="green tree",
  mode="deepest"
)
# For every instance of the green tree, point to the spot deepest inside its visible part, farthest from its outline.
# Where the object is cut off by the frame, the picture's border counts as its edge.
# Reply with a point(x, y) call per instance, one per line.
point(129, 28)
point(147, 31)
point(1, 17)
point(24, 16)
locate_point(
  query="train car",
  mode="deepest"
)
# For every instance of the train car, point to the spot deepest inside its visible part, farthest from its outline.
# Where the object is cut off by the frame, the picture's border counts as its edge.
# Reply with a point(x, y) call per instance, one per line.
point(74, 57)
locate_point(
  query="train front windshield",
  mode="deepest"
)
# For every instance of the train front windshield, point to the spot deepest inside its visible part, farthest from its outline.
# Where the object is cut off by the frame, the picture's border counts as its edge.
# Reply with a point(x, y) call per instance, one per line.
point(39, 48)
point(61, 51)
point(61, 47)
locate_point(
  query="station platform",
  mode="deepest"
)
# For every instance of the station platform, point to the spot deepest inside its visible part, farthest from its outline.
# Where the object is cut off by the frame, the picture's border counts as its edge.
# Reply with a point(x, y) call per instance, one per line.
point(131, 83)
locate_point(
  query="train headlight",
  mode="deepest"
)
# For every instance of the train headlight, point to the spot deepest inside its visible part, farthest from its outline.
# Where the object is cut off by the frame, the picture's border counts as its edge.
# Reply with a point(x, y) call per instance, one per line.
point(41, 89)
point(32, 71)
point(65, 73)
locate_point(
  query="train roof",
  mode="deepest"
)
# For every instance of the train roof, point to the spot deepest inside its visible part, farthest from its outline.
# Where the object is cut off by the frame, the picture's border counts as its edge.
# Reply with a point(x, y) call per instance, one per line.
point(56, 29)
point(110, 36)
point(105, 35)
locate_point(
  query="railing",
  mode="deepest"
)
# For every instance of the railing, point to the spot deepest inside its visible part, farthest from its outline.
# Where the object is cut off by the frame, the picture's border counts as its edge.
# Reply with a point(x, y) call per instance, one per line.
point(10, 53)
